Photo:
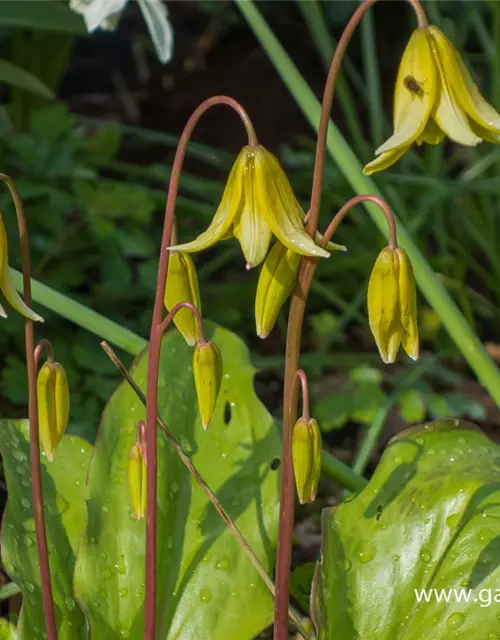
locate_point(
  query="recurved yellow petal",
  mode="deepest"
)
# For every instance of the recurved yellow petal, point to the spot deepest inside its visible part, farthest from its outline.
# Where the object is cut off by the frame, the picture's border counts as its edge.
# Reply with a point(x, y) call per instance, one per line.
point(413, 109)
point(384, 161)
point(463, 86)
point(276, 202)
point(6, 284)
point(432, 134)
point(230, 206)
point(182, 286)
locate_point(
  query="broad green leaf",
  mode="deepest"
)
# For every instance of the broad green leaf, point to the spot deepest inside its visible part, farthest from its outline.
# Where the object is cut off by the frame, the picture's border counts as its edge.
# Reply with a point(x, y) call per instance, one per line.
point(17, 77)
point(41, 14)
point(7, 630)
point(207, 587)
point(64, 499)
point(428, 519)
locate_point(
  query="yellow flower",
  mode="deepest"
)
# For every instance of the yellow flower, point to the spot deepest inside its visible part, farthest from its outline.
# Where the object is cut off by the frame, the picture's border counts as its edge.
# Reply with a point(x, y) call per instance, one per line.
point(207, 370)
point(392, 305)
point(306, 456)
point(53, 405)
point(257, 202)
point(435, 96)
point(6, 284)
point(182, 286)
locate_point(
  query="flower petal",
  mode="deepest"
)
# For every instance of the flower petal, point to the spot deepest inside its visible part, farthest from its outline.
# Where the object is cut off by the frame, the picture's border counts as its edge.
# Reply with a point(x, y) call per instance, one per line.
point(384, 161)
point(6, 284)
point(276, 202)
point(229, 207)
point(432, 134)
point(448, 113)
point(408, 304)
point(251, 229)
point(463, 86)
point(412, 109)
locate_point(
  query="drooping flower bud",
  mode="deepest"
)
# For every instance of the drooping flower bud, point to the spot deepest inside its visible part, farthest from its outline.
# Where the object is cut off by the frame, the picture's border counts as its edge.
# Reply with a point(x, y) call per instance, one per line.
point(392, 304)
point(182, 286)
point(53, 405)
point(6, 284)
point(207, 369)
point(276, 281)
point(306, 456)
point(137, 477)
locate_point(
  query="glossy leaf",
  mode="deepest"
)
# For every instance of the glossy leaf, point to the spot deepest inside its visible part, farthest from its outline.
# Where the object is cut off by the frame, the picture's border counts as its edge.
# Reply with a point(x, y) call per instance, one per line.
point(64, 497)
point(13, 75)
point(428, 519)
point(207, 587)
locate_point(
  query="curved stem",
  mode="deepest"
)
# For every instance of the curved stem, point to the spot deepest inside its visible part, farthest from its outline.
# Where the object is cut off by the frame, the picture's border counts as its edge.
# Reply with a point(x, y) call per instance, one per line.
point(294, 334)
point(43, 344)
point(35, 464)
point(300, 374)
point(183, 305)
point(341, 213)
point(155, 346)
point(326, 106)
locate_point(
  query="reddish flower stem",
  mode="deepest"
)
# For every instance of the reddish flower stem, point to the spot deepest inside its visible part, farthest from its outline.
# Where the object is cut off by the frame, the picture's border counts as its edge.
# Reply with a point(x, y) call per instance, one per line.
point(155, 346)
point(300, 374)
point(295, 321)
point(43, 344)
point(36, 467)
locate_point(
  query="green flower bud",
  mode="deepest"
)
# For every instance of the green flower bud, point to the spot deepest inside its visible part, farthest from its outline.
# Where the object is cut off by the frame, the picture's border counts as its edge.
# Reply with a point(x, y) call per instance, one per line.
point(182, 286)
point(207, 369)
point(137, 480)
point(306, 456)
point(392, 305)
point(53, 405)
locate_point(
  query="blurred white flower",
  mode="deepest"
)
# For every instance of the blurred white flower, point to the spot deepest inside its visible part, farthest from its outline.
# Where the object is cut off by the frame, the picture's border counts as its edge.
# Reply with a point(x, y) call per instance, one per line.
point(104, 14)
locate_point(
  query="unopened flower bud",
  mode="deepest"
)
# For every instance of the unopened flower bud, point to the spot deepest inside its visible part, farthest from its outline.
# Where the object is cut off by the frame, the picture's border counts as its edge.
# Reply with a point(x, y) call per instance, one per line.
point(53, 405)
point(137, 480)
point(182, 286)
point(306, 455)
point(276, 281)
point(207, 369)
point(392, 304)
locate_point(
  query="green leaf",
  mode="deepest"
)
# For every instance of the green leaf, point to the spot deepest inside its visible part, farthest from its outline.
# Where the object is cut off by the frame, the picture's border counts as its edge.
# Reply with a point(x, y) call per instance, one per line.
point(428, 519)
point(41, 14)
point(412, 406)
point(207, 587)
point(17, 77)
point(300, 583)
point(64, 498)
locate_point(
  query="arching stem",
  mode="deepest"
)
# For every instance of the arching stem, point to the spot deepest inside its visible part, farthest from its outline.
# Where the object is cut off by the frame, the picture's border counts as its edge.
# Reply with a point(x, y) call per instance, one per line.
point(35, 463)
point(155, 346)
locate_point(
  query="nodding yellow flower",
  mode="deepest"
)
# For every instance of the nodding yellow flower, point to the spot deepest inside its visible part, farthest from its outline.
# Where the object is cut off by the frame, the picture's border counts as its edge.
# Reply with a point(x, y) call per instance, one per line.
point(207, 370)
point(53, 405)
point(182, 286)
point(257, 202)
point(306, 457)
point(435, 96)
point(137, 480)
point(6, 284)
point(392, 305)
